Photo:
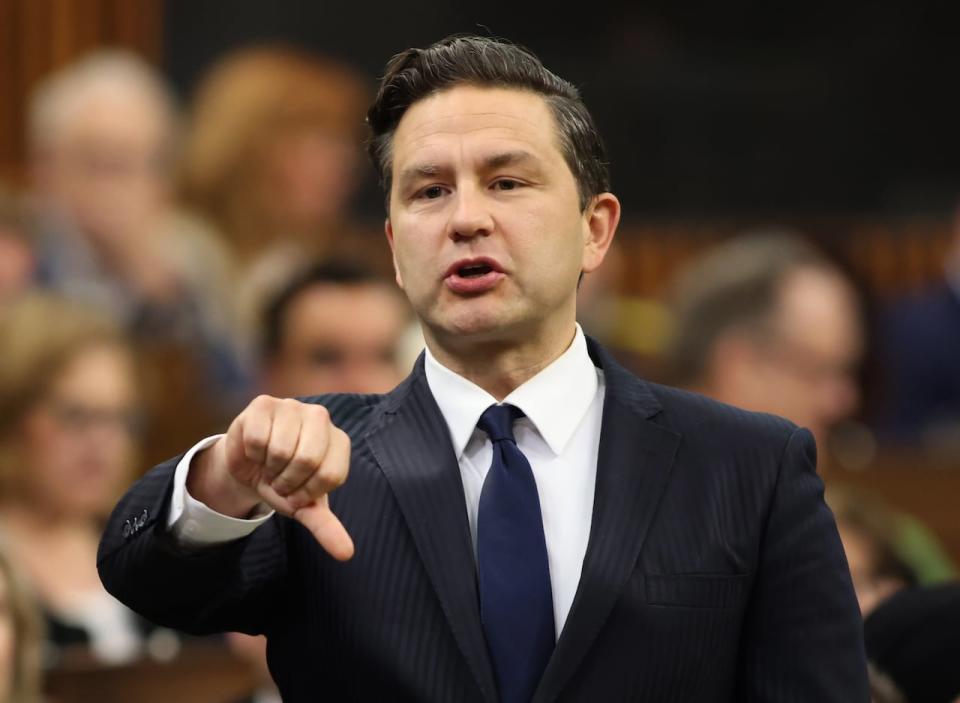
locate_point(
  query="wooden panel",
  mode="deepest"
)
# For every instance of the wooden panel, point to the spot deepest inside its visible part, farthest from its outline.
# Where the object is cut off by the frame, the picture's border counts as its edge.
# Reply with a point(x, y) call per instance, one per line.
point(38, 36)
point(926, 488)
point(200, 674)
point(890, 257)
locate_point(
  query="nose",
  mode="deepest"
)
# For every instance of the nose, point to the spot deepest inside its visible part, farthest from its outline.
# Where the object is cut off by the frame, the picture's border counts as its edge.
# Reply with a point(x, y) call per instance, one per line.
point(470, 217)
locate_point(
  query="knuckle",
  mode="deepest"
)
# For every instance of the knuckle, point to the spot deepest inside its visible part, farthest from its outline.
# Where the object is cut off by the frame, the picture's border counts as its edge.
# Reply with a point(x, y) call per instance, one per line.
point(332, 477)
point(320, 412)
point(235, 424)
point(337, 473)
point(280, 455)
point(340, 440)
point(256, 442)
point(261, 401)
point(282, 486)
point(319, 485)
point(301, 464)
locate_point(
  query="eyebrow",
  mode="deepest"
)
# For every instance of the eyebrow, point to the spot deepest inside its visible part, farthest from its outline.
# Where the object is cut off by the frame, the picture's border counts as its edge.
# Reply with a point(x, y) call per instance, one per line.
point(417, 171)
point(494, 161)
point(508, 158)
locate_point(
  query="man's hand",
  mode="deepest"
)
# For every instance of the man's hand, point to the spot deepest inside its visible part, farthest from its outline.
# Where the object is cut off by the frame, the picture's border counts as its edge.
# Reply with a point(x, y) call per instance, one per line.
point(286, 454)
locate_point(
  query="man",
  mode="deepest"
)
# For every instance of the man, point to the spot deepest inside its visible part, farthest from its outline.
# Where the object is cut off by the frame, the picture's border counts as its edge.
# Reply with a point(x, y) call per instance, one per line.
point(592, 537)
point(101, 142)
point(767, 323)
point(102, 137)
point(335, 328)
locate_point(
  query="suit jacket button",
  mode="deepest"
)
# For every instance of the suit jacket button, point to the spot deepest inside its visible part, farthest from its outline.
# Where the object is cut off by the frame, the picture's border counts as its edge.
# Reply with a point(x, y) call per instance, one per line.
point(127, 529)
point(143, 517)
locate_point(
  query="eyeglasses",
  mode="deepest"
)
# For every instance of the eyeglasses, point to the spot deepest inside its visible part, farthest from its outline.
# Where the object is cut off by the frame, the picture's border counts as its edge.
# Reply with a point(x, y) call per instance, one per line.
point(78, 417)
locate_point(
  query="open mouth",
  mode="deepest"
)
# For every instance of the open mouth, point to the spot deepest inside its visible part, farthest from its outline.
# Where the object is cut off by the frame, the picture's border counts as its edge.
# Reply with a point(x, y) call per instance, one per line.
point(474, 276)
point(474, 270)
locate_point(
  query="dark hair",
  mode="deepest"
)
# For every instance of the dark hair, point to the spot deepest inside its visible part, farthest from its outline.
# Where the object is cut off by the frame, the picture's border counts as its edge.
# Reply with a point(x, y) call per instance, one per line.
point(415, 74)
point(336, 273)
point(735, 285)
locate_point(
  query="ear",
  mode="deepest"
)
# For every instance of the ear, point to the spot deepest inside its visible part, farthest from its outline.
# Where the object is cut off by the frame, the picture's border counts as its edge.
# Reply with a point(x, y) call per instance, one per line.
point(600, 220)
point(388, 229)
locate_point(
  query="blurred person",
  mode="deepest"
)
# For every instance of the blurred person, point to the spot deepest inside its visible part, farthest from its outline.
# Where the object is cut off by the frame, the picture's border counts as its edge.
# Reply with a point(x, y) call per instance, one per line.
point(913, 646)
point(921, 348)
point(887, 550)
point(271, 162)
point(102, 137)
point(869, 537)
point(17, 263)
point(68, 418)
point(334, 329)
point(766, 323)
point(273, 151)
point(521, 518)
point(20, 633)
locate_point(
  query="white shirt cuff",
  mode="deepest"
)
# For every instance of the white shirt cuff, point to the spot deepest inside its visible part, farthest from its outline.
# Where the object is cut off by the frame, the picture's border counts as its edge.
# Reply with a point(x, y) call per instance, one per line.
point(193, 523)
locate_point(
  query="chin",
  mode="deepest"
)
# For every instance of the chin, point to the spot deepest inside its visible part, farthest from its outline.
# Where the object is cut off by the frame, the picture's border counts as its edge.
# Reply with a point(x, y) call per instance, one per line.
point(481, 331)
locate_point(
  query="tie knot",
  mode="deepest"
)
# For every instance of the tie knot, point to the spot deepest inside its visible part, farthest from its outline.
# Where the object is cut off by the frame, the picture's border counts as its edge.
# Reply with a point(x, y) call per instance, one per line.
point(497, 421)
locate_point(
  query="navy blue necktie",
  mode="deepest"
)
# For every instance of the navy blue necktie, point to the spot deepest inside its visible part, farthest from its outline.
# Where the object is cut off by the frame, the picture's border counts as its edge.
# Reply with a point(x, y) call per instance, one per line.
point(516, 601)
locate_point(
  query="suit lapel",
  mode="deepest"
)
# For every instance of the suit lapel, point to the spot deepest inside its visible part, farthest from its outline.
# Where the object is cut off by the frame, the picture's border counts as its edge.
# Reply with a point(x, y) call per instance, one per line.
point(633, 467)
point(411, 444)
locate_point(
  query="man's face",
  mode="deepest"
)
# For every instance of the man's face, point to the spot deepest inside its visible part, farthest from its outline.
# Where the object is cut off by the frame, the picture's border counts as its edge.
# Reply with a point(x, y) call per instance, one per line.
point(108, 168)
point(338, 339)
point(807, 373)
point(485, 225)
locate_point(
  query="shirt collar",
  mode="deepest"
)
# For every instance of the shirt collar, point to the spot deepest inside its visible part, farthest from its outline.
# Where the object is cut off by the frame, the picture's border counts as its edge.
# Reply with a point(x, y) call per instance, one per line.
point(555, 400)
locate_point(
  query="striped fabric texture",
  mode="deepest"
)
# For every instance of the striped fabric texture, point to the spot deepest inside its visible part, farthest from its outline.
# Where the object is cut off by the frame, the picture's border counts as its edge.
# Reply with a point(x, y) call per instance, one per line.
point(713, 573)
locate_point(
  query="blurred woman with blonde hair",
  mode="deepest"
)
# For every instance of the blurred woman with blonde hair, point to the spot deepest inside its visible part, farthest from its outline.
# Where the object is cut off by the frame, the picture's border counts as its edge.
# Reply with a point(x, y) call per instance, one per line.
point(68, 422)
point(271, 162)
point(273, 147)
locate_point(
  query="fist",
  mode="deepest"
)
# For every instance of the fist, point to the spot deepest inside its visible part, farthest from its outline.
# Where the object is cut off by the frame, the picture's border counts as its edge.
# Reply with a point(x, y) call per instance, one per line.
point(286, 454)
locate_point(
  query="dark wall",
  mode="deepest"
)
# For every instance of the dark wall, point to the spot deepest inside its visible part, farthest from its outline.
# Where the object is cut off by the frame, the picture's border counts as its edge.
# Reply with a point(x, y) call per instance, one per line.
point(707, 108)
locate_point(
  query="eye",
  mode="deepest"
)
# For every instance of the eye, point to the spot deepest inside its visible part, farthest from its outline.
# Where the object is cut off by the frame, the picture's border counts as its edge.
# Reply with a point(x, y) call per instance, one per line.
point(506, 184)
point(431, 192)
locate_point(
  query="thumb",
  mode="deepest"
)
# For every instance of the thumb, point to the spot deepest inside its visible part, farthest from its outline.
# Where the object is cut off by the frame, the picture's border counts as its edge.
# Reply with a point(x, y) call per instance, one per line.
point(326, 528)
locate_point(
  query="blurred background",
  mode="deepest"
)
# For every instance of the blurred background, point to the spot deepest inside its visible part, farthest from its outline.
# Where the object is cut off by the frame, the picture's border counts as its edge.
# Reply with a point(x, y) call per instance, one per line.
point(187, 219)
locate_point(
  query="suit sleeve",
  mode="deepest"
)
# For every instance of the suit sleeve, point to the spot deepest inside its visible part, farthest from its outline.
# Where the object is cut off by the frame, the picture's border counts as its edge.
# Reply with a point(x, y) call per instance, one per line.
point(227, 587)
point(803, 634)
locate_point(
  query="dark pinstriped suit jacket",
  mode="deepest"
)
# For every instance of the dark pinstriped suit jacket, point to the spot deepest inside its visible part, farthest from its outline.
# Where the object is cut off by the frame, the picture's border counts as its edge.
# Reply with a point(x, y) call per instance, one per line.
point(713, 571)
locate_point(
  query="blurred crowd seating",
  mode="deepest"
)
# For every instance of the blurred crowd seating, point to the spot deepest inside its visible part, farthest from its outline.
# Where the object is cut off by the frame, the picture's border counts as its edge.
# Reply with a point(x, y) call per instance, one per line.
point(261, 232)
point(889, 256)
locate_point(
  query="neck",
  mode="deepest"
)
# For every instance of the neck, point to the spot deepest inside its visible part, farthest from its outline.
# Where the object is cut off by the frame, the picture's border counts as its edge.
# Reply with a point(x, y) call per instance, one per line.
point(501, 366)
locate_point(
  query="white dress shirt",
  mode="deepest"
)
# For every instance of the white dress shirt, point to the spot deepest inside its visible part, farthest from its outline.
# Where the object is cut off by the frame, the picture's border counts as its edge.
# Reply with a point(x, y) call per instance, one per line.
point(560, 437)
